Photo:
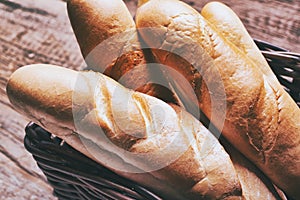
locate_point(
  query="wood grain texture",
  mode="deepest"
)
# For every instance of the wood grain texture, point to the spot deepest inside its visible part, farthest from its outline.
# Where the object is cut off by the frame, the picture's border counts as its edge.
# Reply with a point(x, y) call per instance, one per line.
point(30, 33)
point(38, 31)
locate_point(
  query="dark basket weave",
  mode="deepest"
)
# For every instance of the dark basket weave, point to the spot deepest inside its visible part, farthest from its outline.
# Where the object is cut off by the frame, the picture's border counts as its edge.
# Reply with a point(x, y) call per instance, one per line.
point(74, 176)
point(286, 66)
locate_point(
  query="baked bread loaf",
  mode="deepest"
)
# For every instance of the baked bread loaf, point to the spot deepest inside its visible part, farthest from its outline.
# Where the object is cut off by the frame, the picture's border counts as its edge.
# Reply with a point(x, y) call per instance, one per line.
point(261, 119)
point(138, 136)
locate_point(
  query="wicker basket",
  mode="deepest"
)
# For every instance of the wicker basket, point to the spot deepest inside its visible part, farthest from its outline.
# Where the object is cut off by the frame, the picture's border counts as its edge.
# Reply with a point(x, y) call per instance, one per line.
point(74, 176)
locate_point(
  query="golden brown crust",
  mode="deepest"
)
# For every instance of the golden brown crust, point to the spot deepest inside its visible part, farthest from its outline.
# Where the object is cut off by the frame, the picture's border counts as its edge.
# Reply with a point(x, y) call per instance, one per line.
point(94, 21)
point(39, 105)
point(262, 121)
point(232, 28)
point(151, 129)
point(255, 185)
point(105, 28)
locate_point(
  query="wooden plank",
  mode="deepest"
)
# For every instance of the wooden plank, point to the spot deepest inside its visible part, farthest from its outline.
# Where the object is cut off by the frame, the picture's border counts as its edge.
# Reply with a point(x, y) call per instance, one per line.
point(15, 183)
point(29, 33)
point(38, 31)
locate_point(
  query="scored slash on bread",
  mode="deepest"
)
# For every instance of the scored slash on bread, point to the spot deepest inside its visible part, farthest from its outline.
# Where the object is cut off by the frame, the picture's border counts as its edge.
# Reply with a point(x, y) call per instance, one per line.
point(262, 121)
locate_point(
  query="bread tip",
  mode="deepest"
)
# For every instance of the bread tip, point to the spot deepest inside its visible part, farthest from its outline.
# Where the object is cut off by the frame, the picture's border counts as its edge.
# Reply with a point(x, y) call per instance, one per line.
point(142, 2)
point(214, 5)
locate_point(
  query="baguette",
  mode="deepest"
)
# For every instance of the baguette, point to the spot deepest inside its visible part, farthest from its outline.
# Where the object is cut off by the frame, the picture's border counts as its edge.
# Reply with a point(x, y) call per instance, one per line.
point(106, 28)
point(262, 121)
point(231, 27)
point(138, 136)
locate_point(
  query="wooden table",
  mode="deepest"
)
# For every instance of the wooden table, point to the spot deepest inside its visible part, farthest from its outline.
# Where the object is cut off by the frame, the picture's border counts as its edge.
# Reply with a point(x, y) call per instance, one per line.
point(38, 31)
